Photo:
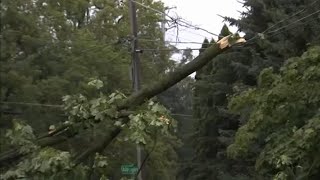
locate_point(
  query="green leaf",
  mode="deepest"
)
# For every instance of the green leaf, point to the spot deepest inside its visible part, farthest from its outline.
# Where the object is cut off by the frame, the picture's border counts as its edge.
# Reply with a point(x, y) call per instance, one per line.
point(98, 84)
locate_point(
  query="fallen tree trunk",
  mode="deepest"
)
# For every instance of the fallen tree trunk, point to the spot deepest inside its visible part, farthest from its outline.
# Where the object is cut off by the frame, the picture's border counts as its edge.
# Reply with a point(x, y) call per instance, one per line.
point(141, 96)
point(156, 88)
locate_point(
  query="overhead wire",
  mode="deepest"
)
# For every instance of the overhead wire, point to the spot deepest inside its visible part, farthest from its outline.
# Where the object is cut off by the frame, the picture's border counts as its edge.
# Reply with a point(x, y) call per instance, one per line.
point(151, 8)
point(178, 49)
point(60, 106)
point(287, 29)
point(283, 27)
point(31, 104)
point(291, 16)
point(186, 24)
point(189, 25)
point(265, 32)
point(270, 34)
point(176, 20)
point(197, 28)
point(194, 33)
point(178, 42)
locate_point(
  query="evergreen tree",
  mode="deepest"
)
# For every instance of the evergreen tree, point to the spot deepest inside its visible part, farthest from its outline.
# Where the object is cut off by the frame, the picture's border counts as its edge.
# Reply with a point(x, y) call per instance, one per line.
point(215, 126)
point(271, 28)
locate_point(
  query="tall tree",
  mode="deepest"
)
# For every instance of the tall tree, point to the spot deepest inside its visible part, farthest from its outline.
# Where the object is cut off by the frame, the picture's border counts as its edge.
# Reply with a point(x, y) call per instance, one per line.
point(215, 126)
point(281, 131)
point(273, 36)
point(53, 48)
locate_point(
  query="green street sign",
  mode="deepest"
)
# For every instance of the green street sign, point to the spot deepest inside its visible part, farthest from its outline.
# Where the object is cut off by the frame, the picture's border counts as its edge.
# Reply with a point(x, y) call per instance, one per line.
point(129, 169)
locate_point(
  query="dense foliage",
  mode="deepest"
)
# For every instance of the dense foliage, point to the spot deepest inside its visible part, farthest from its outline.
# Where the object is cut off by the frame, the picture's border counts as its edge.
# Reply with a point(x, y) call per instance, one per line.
point(276, 31)
point(53, 48)
point(282, 127)
point(94, 114)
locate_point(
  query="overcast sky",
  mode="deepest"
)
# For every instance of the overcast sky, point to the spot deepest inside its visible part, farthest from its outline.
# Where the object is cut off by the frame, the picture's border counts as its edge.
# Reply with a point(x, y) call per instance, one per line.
point(202, 13)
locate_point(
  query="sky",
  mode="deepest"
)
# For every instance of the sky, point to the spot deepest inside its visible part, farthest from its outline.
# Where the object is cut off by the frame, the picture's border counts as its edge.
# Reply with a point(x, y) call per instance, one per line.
point(201, 13)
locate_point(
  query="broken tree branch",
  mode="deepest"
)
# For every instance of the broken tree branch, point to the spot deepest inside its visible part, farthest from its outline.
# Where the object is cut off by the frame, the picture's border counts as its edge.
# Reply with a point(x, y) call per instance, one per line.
point(140, 97)
point(156, 88)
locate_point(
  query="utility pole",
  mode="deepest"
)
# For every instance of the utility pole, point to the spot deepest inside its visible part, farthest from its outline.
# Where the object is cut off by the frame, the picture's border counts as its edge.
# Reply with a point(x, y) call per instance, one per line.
point(135, 65)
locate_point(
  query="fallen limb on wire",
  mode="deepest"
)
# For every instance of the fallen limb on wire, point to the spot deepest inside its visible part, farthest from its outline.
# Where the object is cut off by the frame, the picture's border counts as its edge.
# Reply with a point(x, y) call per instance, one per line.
point(134, 100)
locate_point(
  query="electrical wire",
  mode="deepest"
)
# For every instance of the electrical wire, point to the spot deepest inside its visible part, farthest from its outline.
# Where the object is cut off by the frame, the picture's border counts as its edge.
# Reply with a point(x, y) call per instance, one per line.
point(60, 106)
point(32, 104)
point(177, 42)
point(177, 20)
point(153, 9)
point(173, 34)
point(287, 29)
point(272, 33)
point(291, 16)
point(181, 49)
point(197, 28)
point(147, 156)
point(283, 27)
point(194, 33)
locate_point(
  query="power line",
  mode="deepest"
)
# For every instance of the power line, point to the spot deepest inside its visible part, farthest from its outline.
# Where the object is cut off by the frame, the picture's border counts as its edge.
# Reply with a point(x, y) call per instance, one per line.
point(177, 20)
point(177, 42)
point(148, 7)
point(270, 34)
point(275, 31)
point(183, 38)
point(146, 157)
point(197, 28)
point(31, 104)
point(185, 30)
point(291, 16)
point(181, 49)
point(283, 27)
point(60, 106)
point(279, 32)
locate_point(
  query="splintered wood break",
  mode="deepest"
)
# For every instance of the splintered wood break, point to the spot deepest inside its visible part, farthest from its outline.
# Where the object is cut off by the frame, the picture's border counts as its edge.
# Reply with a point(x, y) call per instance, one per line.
point(240, 40)
point(224, 42)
